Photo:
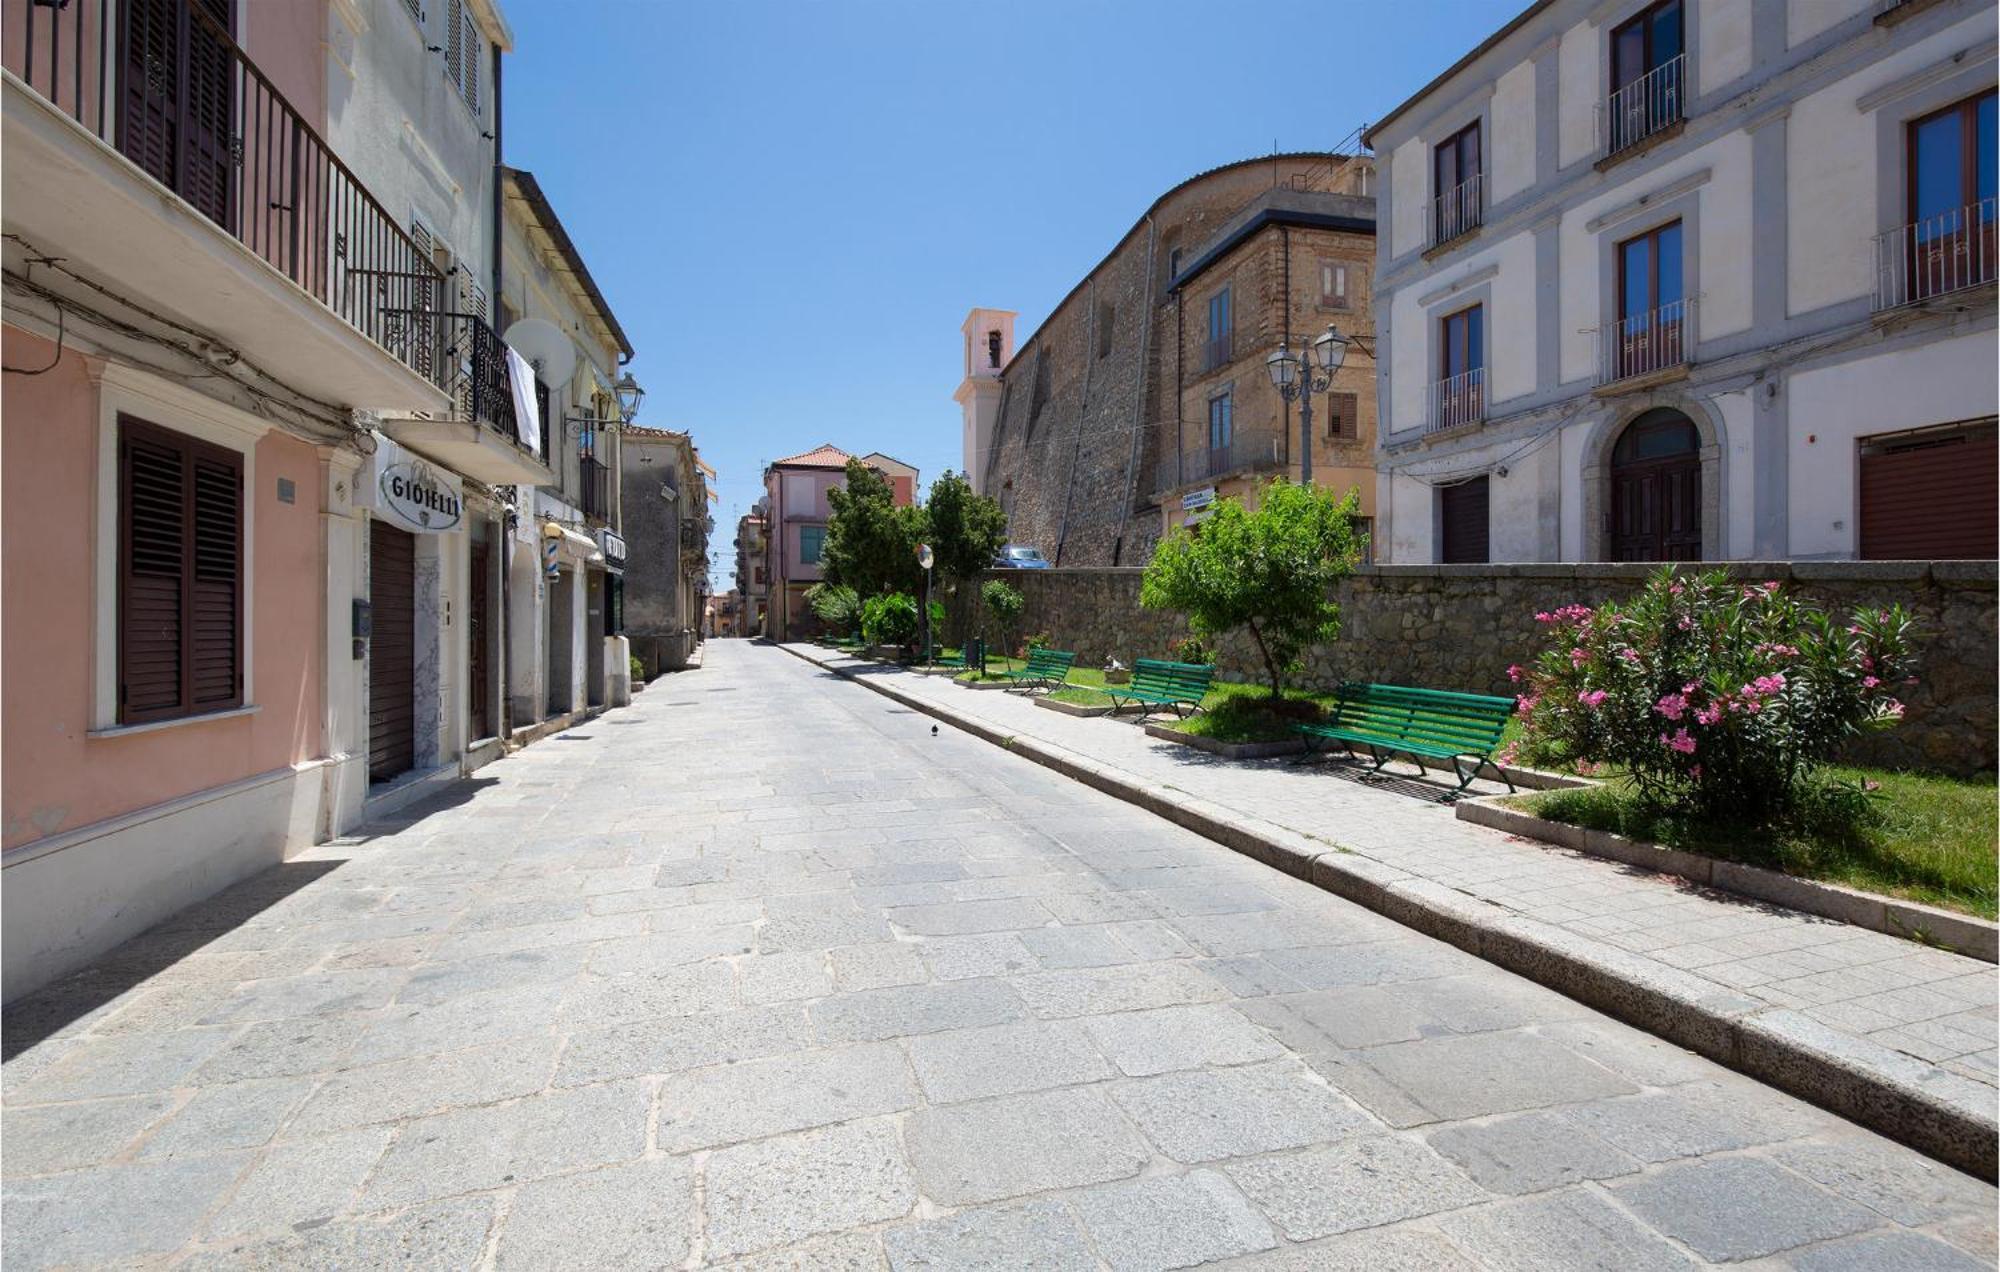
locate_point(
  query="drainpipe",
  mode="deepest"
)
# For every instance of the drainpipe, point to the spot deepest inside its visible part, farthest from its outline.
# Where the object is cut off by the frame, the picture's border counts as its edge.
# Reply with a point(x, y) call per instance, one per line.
point(1139, 398)
point(507, 523)
point(1284, 414)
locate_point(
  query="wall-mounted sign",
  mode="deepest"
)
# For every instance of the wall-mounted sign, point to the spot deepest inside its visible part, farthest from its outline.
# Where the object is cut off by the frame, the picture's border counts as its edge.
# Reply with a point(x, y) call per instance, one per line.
point(611, 545)
point(409, 491)
point(413, 494)
point(1194, 499)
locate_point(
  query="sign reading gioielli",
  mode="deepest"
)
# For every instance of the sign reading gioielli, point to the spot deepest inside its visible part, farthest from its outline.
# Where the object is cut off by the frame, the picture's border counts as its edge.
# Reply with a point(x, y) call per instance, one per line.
point(412, 491)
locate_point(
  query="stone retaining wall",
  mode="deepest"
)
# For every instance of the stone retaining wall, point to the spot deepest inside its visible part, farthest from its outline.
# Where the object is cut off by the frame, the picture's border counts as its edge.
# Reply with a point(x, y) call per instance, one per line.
point(1460, 626)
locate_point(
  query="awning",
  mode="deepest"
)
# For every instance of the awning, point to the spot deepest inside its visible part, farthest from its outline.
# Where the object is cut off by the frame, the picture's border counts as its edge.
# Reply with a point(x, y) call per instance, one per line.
point(568, 543)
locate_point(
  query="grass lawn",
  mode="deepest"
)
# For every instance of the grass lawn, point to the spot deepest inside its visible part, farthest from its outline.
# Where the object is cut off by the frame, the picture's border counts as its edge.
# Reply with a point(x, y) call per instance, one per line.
point(1232, 711)
point(1921, 837)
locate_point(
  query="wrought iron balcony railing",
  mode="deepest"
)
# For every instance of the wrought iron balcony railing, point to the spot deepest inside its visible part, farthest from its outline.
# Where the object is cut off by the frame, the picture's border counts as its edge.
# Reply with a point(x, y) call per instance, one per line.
point(1935, 256)
point(463, 356)
point(596, 492)
point(1243, 451)
point(166, 85)
point(1456, 212)
point(1656, 340)
point(1219, 351)
point(1456, 401)
point(1646, 107)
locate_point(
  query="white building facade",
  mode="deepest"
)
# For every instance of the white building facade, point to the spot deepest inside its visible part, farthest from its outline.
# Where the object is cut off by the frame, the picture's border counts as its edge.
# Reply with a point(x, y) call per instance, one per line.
point(1696, 279)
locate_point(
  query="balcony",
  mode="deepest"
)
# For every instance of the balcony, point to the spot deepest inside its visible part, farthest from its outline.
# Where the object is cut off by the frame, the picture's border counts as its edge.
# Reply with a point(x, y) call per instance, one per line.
point(1643, 110)
point(480, 432)
point(1646, 348)
point(1219, 352)
point(1457, 401)
point(157, 160)
point(596, 493)
point(1937, 256)
point(1245, 451)
point(1456, 213)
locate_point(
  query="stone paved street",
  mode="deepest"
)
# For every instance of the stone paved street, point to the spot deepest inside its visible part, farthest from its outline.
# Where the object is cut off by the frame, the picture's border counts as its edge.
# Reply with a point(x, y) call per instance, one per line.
point(1890, 1001)
point(767, 972)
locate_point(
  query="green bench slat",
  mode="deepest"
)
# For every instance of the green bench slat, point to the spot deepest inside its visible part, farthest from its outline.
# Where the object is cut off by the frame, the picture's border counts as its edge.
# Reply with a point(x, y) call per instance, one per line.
point(1163, 683)
point(1044, 665)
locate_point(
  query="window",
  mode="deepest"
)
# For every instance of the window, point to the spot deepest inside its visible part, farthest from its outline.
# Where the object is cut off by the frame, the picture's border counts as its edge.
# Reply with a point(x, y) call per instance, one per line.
point(1462, 522)
point(1459, 396)
point(1455, 188)
point(463, 51)
point(1652, 309)
point(180, 575)
point(1333, 285)
point(811, 540)
point(1950, 156)
point(1221, 327)
point(1343, 416)
point(1221, 421)
point(993, 349)
point(1648, 71)
point(1173, 264)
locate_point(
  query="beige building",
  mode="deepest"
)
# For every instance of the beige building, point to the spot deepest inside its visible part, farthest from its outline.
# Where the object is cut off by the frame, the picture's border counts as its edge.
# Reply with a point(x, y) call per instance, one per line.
point(668, 493)
point(1144, 395)
point(753, 571)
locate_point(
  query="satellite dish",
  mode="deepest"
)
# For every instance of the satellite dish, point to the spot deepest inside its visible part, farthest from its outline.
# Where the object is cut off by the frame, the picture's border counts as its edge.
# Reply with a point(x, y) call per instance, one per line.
point(546, 347)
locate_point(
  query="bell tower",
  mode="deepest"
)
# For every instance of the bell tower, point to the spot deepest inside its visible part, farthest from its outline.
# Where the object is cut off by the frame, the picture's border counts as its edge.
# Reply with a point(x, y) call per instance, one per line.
point(989, 346)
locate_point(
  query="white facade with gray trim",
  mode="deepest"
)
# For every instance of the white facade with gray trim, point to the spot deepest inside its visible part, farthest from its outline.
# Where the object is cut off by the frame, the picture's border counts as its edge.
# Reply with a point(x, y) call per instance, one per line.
point(1785, 167)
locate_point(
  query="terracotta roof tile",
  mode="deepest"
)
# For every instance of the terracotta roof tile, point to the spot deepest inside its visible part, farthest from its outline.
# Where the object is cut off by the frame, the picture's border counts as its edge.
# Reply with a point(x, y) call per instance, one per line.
point(825, 455)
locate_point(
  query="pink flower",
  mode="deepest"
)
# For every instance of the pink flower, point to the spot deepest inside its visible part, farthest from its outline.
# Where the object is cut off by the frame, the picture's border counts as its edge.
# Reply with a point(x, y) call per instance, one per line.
point(1508, 754)
point(1695, 772)
point(1893, 709)
point(1673, 706)
point(1592, 698)
point(1771, 586)
point(1870, 784)
point(1543, 616)
point(1514, 673)
point(1869, 682)
point(1708, 714)
point(1526, 702)
point(1629, 655)
point(1682, 741)
point(1584, 768)
point(1577, 657)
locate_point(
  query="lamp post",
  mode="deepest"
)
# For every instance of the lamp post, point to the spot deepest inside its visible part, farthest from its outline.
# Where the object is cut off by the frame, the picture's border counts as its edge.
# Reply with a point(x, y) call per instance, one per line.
point(629, 396)
point(1298, 378)
point(926, 559)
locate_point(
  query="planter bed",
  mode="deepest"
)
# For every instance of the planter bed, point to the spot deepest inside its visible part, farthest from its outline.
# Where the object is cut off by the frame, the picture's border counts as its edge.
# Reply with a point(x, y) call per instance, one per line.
point(1229, 750)
point(1962, 933)
point(1072, 708)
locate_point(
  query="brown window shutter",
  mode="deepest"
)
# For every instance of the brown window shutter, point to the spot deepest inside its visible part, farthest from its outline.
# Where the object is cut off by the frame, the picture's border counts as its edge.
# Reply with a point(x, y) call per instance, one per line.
point(215, 599)
point(151, 637)
point(1343, 416)
point(468, 63)
point(180, 632)
point(454, 41)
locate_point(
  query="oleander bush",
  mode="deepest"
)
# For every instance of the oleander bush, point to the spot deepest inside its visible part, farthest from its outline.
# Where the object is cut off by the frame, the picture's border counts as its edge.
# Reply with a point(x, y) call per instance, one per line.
point(1710, 697)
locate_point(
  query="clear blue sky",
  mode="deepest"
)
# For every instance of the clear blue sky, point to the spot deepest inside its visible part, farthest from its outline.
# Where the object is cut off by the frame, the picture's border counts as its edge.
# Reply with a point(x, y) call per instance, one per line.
point(791, 206)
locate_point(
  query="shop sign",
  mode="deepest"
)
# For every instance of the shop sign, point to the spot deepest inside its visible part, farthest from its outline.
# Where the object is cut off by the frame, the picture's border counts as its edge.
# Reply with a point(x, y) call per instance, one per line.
point(1196, 499)
point(414, 494)
point(612, 545)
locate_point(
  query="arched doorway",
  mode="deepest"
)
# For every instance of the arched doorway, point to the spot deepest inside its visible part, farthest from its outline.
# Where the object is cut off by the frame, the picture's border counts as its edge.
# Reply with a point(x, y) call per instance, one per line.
point(1656, 489)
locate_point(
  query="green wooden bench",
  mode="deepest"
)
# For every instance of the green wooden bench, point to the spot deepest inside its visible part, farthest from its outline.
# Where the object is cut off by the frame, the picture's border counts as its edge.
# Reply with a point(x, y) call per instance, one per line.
point(1046, 669)
point(1158, 683)
point(973, 655)
point(1423, 724)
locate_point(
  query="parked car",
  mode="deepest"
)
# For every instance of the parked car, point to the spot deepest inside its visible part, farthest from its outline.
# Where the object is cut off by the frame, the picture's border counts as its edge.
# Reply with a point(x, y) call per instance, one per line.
point(1019, 556)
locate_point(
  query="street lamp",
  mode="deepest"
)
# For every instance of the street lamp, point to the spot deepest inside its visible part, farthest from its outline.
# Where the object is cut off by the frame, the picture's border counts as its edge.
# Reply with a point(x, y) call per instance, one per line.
point(1298, 378)
point(926, 559)
point(629, 396)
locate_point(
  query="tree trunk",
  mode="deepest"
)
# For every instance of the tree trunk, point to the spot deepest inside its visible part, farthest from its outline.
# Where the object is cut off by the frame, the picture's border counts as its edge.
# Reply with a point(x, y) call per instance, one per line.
point(1270, 666)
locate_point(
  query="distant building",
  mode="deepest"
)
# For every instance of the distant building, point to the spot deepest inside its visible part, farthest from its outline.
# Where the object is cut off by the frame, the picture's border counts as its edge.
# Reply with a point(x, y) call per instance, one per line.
point(795, 491)
point(753, 570)
point(667, 492)
point(1144, 395)
point(1680, 280)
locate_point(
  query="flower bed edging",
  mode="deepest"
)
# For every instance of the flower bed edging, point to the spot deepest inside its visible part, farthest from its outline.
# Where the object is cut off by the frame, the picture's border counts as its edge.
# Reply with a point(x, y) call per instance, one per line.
point(1229, 750)
point(1072, 708)
point(1962, 933)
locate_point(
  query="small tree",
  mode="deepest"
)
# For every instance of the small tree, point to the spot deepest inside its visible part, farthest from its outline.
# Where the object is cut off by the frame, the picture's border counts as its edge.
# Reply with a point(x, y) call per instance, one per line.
point(836, 605)
point(967, 529)
point(890, 620)
point(1271, 571)
point(1005, 603)
point(871, 544)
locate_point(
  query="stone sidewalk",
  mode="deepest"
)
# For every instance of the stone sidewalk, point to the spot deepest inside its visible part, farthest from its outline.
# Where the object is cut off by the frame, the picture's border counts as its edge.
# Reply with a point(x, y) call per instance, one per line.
point(762, 973)
point(1885, 1014)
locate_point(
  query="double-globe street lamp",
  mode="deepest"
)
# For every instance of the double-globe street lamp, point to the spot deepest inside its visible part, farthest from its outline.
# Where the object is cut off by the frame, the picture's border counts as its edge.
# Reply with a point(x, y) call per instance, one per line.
point(1298, 378)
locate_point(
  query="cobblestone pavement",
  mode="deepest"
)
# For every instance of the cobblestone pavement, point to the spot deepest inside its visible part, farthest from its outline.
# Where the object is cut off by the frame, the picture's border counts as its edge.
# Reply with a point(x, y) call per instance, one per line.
point(1929, 1006)
point(765, 973)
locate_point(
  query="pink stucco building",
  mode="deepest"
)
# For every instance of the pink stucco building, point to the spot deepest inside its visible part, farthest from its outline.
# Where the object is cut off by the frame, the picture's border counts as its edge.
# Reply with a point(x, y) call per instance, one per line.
point(795, 490)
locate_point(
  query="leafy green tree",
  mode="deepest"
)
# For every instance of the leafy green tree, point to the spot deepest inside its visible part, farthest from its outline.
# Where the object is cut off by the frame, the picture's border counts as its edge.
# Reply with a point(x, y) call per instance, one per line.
point(1270, 571)
point(890, 620)
point(967, 529)
point(871, 544)
point(1005, 603)
point(836, 605)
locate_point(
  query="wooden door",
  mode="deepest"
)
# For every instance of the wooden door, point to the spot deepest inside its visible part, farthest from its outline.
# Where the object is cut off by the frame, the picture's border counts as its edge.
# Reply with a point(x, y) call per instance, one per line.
point(479, 693)
point(392, 681)
point(1464, 517)
point(177, 104)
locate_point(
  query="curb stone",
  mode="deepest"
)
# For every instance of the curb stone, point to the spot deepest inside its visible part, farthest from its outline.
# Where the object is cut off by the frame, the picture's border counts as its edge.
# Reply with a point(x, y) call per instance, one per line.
point(1951, 1120)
